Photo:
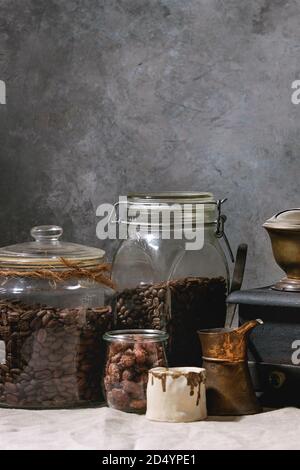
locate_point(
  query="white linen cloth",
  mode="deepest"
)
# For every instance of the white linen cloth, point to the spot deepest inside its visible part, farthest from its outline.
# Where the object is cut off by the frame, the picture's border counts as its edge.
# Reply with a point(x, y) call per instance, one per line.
point(103, 428)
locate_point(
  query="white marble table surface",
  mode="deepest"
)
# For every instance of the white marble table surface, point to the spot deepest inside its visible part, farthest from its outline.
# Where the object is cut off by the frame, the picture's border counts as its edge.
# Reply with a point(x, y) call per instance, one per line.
point(102, 428)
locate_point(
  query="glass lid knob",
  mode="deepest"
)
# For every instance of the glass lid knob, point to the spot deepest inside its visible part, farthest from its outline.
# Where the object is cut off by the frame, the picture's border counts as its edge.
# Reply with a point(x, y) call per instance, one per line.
point(46, 233)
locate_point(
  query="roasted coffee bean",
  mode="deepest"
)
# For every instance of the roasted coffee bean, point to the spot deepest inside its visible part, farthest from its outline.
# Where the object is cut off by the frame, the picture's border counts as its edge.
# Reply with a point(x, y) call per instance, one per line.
point(23, 325)
point(57, 373)
point(58, 344)
point(161, 293)
point(10, 387)
point(40, 312)
point(53, 356)
point(40, 363)
point(13, 317)
point(43, 353)
point(41, 335)
point(86, 367)
point(156, 323)
point(52, 324)
point(156, 313)
point(46, 318)
point(35, 324)
point(11, 399)
point(181, 306)
point(196, 303)
point(81, 383)
point(24, 334)
point(42, 374)
point(68, 358)
point(135, 307)
point(24, 377)
point(68, 347)
point(28, 315)
point(49, 392)
point(4, 368)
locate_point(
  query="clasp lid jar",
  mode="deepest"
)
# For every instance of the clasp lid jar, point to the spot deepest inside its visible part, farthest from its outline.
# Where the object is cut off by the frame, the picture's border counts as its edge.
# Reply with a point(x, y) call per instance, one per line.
point(163, 281)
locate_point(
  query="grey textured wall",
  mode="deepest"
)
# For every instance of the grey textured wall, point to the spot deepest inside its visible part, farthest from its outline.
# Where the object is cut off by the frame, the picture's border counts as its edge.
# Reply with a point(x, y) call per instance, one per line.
point(110, 96)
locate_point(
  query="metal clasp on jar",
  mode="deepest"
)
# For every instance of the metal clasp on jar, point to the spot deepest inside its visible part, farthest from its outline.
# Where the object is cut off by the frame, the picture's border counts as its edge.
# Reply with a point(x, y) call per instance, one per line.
point(220, 232)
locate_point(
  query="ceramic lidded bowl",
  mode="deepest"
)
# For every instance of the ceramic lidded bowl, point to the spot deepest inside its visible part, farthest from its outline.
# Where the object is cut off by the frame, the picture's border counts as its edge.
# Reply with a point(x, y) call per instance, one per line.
point(284, 231)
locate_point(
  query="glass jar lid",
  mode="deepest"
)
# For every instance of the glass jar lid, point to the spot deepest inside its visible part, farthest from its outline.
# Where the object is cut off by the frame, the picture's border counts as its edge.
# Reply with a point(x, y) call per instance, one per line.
point(47, 250)
point(285, 220)
point(130, 336)
point(176, 201)
point(181, 197)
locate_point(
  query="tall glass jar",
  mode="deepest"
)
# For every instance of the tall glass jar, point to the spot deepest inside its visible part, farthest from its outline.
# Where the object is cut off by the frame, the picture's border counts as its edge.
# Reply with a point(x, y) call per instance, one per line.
point(54, 310)
point(171, 271)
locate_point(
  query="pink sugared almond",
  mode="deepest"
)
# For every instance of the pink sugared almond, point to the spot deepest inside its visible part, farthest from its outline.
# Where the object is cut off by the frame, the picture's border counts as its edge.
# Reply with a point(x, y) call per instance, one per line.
point(138, 404)
point(127, 360)
point(117, 397)
point(135, 389)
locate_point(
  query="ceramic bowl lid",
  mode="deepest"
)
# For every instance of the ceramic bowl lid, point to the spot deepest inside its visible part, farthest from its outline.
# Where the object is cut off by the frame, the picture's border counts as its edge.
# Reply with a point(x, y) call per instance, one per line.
point(285, 220)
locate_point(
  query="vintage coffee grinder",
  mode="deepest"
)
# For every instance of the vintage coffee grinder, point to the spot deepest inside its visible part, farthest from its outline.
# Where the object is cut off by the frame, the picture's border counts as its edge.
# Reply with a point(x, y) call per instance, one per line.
point(274, 348)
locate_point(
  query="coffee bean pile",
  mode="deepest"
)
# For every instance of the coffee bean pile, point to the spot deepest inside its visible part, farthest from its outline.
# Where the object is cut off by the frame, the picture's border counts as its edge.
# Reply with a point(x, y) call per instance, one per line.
point(146, 306)
point(126, 373)
point(180, 306)
point(197, 303)
point(53, 357)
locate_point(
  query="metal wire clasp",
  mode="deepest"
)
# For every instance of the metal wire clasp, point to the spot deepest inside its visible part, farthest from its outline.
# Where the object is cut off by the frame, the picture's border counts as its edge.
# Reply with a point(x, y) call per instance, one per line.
point(220, 232)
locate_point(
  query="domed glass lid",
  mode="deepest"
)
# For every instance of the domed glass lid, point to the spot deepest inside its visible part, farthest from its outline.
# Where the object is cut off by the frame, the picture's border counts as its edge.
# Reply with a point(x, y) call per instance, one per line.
point(47, 250)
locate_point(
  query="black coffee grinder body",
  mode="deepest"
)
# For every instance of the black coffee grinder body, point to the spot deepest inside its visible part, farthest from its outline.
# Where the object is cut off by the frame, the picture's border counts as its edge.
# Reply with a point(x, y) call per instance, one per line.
point(274, 348)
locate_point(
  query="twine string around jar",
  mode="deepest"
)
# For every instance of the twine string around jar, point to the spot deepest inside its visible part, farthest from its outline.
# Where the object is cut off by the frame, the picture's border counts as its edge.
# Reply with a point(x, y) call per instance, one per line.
point(98, 273)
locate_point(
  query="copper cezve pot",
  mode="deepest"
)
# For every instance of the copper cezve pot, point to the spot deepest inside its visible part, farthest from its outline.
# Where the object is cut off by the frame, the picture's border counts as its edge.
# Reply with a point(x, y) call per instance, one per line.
point(229, 386)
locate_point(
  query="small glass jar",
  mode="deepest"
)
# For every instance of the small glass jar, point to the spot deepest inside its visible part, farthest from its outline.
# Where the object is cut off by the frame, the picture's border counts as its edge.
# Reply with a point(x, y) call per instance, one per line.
point(54, 310)
point(165, 282)
point(130, 355)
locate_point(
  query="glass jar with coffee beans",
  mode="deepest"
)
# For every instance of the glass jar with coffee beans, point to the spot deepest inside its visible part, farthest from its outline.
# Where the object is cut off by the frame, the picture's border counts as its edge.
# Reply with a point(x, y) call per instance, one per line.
point(170, 270)
point(130, 355)
point(54, 309)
